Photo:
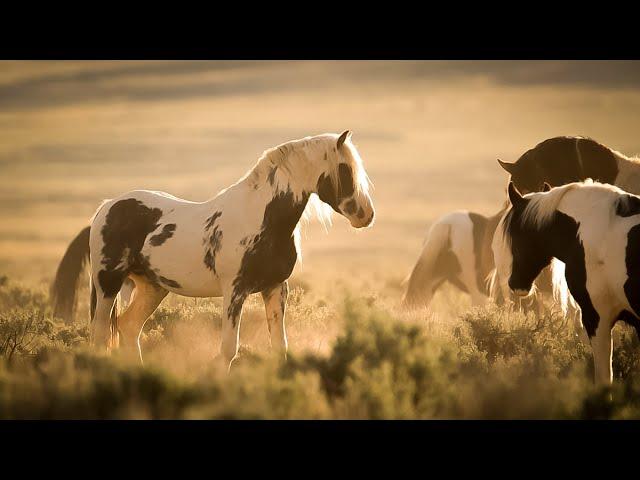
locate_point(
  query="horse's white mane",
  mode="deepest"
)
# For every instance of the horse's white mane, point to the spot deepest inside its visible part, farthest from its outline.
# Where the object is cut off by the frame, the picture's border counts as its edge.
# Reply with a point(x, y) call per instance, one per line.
point(543, 205)
point(284, 167)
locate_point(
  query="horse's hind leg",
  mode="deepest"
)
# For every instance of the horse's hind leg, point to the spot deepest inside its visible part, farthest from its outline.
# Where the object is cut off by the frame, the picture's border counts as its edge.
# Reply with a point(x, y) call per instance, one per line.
point(275, 303)
point(143, 303)
point(101, 307)
point(126, 292)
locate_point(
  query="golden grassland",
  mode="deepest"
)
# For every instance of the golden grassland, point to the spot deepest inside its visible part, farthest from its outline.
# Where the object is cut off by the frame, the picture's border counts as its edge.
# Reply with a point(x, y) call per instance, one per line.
point(72, 134)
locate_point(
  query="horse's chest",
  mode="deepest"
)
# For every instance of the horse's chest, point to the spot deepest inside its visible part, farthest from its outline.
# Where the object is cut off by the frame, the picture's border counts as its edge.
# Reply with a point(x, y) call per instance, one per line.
point(268, 261)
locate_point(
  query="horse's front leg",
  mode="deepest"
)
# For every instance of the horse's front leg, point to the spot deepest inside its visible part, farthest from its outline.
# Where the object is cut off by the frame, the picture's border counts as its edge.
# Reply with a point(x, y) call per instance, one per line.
point(602, 345)
point(231, 315)
point(275, 303)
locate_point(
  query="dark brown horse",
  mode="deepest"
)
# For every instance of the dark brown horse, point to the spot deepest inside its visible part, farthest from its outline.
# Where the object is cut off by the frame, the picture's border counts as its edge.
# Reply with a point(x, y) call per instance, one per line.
point(561, 160)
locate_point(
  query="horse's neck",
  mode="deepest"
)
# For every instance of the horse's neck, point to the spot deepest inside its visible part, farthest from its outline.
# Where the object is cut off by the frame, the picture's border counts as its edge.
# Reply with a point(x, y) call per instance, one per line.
point(279, 203)
point(628, 177)
point(283, 211)
point(279, 208)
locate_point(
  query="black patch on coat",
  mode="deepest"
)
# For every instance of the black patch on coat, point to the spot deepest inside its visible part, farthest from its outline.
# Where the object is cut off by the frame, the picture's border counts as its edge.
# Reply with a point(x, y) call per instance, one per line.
point(533, 249)
point(632, 260)
point(345, 176)
point(163, 236)
point(627, 205)
point(272, 255)
point(327, 192)
point(168, 282)
point(562, 160)
point(213, 241)
point(127, 225)
point(479, 229)
point(143, 268)
point(447, 269)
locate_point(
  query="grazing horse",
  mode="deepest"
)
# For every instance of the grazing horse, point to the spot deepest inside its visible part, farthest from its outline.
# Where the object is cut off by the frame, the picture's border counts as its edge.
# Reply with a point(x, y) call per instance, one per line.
point(453, 252)
point(457, 250)
point(561, 160)
point(595, 230)
point(245, 240)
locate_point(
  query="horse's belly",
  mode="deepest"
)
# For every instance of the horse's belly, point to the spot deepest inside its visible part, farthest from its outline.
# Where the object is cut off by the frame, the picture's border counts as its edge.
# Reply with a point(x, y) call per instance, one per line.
point(206, 288)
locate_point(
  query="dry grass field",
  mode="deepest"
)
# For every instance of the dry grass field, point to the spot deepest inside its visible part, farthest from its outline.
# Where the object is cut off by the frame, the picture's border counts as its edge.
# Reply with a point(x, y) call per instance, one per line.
point(75, 133)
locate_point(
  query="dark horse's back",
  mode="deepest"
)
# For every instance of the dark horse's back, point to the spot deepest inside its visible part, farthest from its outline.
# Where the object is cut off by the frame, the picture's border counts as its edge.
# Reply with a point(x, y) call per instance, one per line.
point(562, 160)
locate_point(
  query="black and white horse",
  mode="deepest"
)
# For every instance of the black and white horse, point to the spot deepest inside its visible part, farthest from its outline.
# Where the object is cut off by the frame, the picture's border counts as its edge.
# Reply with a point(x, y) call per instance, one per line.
point(561, 160)
point(245, 240)
point(595, 230)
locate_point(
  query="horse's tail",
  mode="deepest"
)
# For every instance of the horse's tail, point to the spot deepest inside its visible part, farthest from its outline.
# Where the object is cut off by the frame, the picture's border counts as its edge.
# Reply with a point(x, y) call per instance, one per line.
point(65, 285)
point(418, 291)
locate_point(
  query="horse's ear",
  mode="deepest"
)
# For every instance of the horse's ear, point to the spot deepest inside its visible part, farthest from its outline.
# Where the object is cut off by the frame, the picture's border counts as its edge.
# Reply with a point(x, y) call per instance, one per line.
point(509, 167)
point(343, 137)
point(514, 196)
point(546, 187)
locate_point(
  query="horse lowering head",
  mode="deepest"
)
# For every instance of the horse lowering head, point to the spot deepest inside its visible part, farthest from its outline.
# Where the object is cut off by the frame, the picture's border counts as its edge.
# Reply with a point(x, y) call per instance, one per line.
point(562, 160)
point(526, 176)
point(519, 247)
point(344, 184)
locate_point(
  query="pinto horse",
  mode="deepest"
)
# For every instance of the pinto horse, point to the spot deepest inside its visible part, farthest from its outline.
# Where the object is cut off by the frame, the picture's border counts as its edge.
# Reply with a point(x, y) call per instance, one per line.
point(453, 252)
point(245, 240)
point(595, 230)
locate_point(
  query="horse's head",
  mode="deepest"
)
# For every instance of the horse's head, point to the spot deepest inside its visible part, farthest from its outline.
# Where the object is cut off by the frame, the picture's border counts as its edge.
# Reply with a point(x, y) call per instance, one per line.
point(526, 176)
point(344, 184)
point(519, 251)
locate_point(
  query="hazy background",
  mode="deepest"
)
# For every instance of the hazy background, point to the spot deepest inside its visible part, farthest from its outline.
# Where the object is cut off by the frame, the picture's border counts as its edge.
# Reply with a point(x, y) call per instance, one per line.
point(74, 133)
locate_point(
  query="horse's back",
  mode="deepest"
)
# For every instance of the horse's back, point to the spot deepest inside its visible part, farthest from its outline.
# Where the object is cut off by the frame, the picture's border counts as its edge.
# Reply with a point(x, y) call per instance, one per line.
point(156, 235)
point(566, 159)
